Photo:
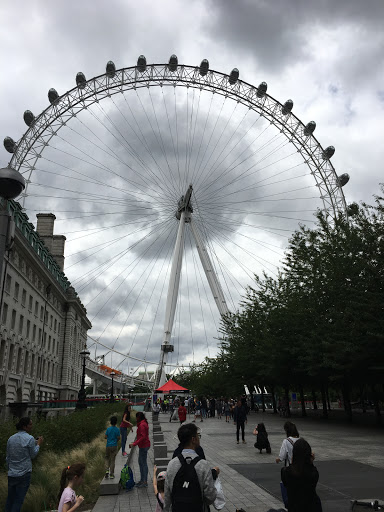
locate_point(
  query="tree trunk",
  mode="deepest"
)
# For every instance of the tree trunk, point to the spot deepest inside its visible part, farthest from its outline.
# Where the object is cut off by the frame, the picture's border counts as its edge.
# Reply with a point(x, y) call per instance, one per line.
point(273, 400)
point(314, 399)
point(288, 410)
point(376, 404)
point(324, 400)
point(262, 398)
point(362, 401)
point(328, 401)
point(347, 402)
point(302, 399)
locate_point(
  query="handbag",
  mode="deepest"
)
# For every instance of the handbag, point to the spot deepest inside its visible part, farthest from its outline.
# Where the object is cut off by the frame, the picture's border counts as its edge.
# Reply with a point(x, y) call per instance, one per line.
point(219, 502)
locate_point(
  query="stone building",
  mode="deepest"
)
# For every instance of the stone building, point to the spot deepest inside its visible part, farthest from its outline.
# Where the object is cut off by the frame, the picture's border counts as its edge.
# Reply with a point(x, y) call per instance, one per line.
point(43, 324)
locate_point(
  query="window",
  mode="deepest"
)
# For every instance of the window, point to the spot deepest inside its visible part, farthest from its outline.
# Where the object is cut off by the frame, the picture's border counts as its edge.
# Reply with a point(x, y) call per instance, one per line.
point(51, 322)
point(28, 328)
point(40, 335)
point(2, 353)
point(46, 317)
point(16, 293)
point(58, 327)
point(21, 324)
point(5, 313)
point(34, 333)
point(10, 358)
point(19, 359)
point(36, 308)
point(8, 281)
point(32, 370)
point(24, 297)
point(55, 325)
point(45, 340)
point(26, 361)
point(30, 303)
point(41, 313)
point(49, 344)
point(13, 322)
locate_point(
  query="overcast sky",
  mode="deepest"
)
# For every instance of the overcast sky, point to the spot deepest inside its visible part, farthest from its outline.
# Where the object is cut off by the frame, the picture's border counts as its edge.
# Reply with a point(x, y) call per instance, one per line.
point(326, 56)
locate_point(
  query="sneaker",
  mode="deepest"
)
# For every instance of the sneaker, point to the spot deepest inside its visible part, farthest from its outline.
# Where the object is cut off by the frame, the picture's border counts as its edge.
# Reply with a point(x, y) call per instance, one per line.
point(141, 485)
point(125, 454)
point(107, 474)
point(238, 442)
point(244, 442)
point(111, 476)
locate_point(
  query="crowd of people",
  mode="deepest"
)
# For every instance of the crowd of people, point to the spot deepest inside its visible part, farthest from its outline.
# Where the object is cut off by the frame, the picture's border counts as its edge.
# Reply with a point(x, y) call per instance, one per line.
point(189, 483)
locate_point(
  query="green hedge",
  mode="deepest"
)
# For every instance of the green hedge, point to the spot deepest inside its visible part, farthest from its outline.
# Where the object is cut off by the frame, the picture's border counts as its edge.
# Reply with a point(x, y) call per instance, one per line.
point(64, 433)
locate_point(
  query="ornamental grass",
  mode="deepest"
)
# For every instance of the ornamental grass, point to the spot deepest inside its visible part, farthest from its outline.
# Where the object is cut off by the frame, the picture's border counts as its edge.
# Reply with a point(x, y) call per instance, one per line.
point(78, 437)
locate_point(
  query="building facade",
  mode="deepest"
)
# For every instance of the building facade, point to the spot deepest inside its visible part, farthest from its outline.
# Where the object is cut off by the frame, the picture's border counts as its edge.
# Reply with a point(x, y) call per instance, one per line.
point(43, 324)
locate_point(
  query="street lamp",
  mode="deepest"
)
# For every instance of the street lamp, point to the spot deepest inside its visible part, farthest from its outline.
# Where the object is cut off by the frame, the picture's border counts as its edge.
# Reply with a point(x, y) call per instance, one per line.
point(12, 184)
point(112, 374)
point(81, 403)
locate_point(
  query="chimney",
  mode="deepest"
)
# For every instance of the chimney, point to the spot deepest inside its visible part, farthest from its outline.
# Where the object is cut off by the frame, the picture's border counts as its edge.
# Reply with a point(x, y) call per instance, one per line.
point(54, 243)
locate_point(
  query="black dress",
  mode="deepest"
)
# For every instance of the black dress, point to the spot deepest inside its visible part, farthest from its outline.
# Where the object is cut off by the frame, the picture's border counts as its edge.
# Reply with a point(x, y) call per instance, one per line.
point(301, 489)
point(262, 441)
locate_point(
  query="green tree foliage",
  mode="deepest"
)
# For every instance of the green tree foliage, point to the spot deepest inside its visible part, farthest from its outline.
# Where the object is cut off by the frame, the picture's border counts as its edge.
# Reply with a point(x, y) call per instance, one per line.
point(321, 320)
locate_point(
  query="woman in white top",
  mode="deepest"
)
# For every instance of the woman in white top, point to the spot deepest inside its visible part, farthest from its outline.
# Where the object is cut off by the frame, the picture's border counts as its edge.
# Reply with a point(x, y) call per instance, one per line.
point(286, 449)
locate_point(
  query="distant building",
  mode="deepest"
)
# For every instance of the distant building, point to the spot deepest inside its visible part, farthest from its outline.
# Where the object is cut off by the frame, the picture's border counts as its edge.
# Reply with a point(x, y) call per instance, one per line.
point(43, 324)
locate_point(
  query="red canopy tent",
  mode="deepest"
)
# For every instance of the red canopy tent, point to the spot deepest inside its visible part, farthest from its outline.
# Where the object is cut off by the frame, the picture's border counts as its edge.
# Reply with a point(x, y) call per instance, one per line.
point(171, 388)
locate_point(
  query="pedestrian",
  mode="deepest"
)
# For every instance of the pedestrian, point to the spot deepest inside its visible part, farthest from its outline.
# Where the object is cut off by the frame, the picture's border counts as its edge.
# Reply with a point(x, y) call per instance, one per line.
point(239, 419)
point(300, 480)
point(219, 408)
point(198, 411)
point(158, 488)
point(262, 441)
point(71, 478)
point(182, 412)
point(21, 449)
point(189, 483)
point(203, 407)
point(124, 426)
point(212, 407)
point(227, 411)
point(112, 435)
point(292, 433)
point(143, 442)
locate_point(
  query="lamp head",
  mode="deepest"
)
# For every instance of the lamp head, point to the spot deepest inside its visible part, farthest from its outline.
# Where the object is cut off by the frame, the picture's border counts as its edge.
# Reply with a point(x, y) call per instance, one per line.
point(12, 183)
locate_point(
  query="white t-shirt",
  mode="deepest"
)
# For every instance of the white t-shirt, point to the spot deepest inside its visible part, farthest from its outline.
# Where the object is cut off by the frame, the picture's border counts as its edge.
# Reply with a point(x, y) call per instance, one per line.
point(287, 448)
point(68, 496)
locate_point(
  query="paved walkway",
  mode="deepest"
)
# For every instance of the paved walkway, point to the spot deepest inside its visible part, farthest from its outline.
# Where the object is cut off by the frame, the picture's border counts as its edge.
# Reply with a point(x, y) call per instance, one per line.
point(329, 442)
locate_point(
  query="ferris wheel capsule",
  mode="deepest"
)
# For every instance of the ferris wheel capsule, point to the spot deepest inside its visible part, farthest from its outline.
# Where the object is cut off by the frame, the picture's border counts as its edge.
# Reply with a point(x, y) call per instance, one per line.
point(204, 67)
point(28, 117)
point(343, 180)
point(328, 153)
point(53, 95)
point(173, 62)
point(110, 69)
point(234, 76)
point(287, 107)
point(80, 80)
point(141, 63)
point(9, 144)
point(262, 89)
point(309, 128)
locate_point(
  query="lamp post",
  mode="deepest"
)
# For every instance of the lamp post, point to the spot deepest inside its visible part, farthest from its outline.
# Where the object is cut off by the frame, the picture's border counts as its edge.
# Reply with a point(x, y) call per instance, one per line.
point(12, 184)
point(81, 403)
point(112, 374)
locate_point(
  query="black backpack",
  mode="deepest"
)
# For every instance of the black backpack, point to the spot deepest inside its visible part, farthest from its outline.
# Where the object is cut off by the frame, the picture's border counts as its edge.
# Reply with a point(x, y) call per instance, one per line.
point(186, 490)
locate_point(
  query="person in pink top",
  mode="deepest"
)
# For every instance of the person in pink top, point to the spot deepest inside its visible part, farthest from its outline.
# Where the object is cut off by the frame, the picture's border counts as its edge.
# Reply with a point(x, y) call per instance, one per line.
point(73, 477)
point(143, 442)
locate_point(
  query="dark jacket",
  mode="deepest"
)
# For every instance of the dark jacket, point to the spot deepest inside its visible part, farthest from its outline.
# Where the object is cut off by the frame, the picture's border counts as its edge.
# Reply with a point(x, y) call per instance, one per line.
point(239, 414)
point(301, 489)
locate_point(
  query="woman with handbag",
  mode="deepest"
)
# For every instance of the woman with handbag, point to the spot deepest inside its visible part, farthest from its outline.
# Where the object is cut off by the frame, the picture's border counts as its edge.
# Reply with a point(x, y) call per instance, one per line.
point(300, 480)
point(262, 441)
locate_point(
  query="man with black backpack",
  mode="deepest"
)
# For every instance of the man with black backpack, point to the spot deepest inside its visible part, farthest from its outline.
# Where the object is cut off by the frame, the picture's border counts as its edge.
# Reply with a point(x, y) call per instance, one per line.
point(189, 482)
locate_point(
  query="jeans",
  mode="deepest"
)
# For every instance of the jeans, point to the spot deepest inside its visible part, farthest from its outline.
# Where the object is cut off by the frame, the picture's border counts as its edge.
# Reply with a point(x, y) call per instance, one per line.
point(123, 434)
point(240, 424)
point(143, 452)
point(110, 457)
point(17, 489)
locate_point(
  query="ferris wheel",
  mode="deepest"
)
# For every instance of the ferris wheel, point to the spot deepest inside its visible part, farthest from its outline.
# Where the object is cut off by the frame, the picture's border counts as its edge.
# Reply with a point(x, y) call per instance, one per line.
point(173, 185)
